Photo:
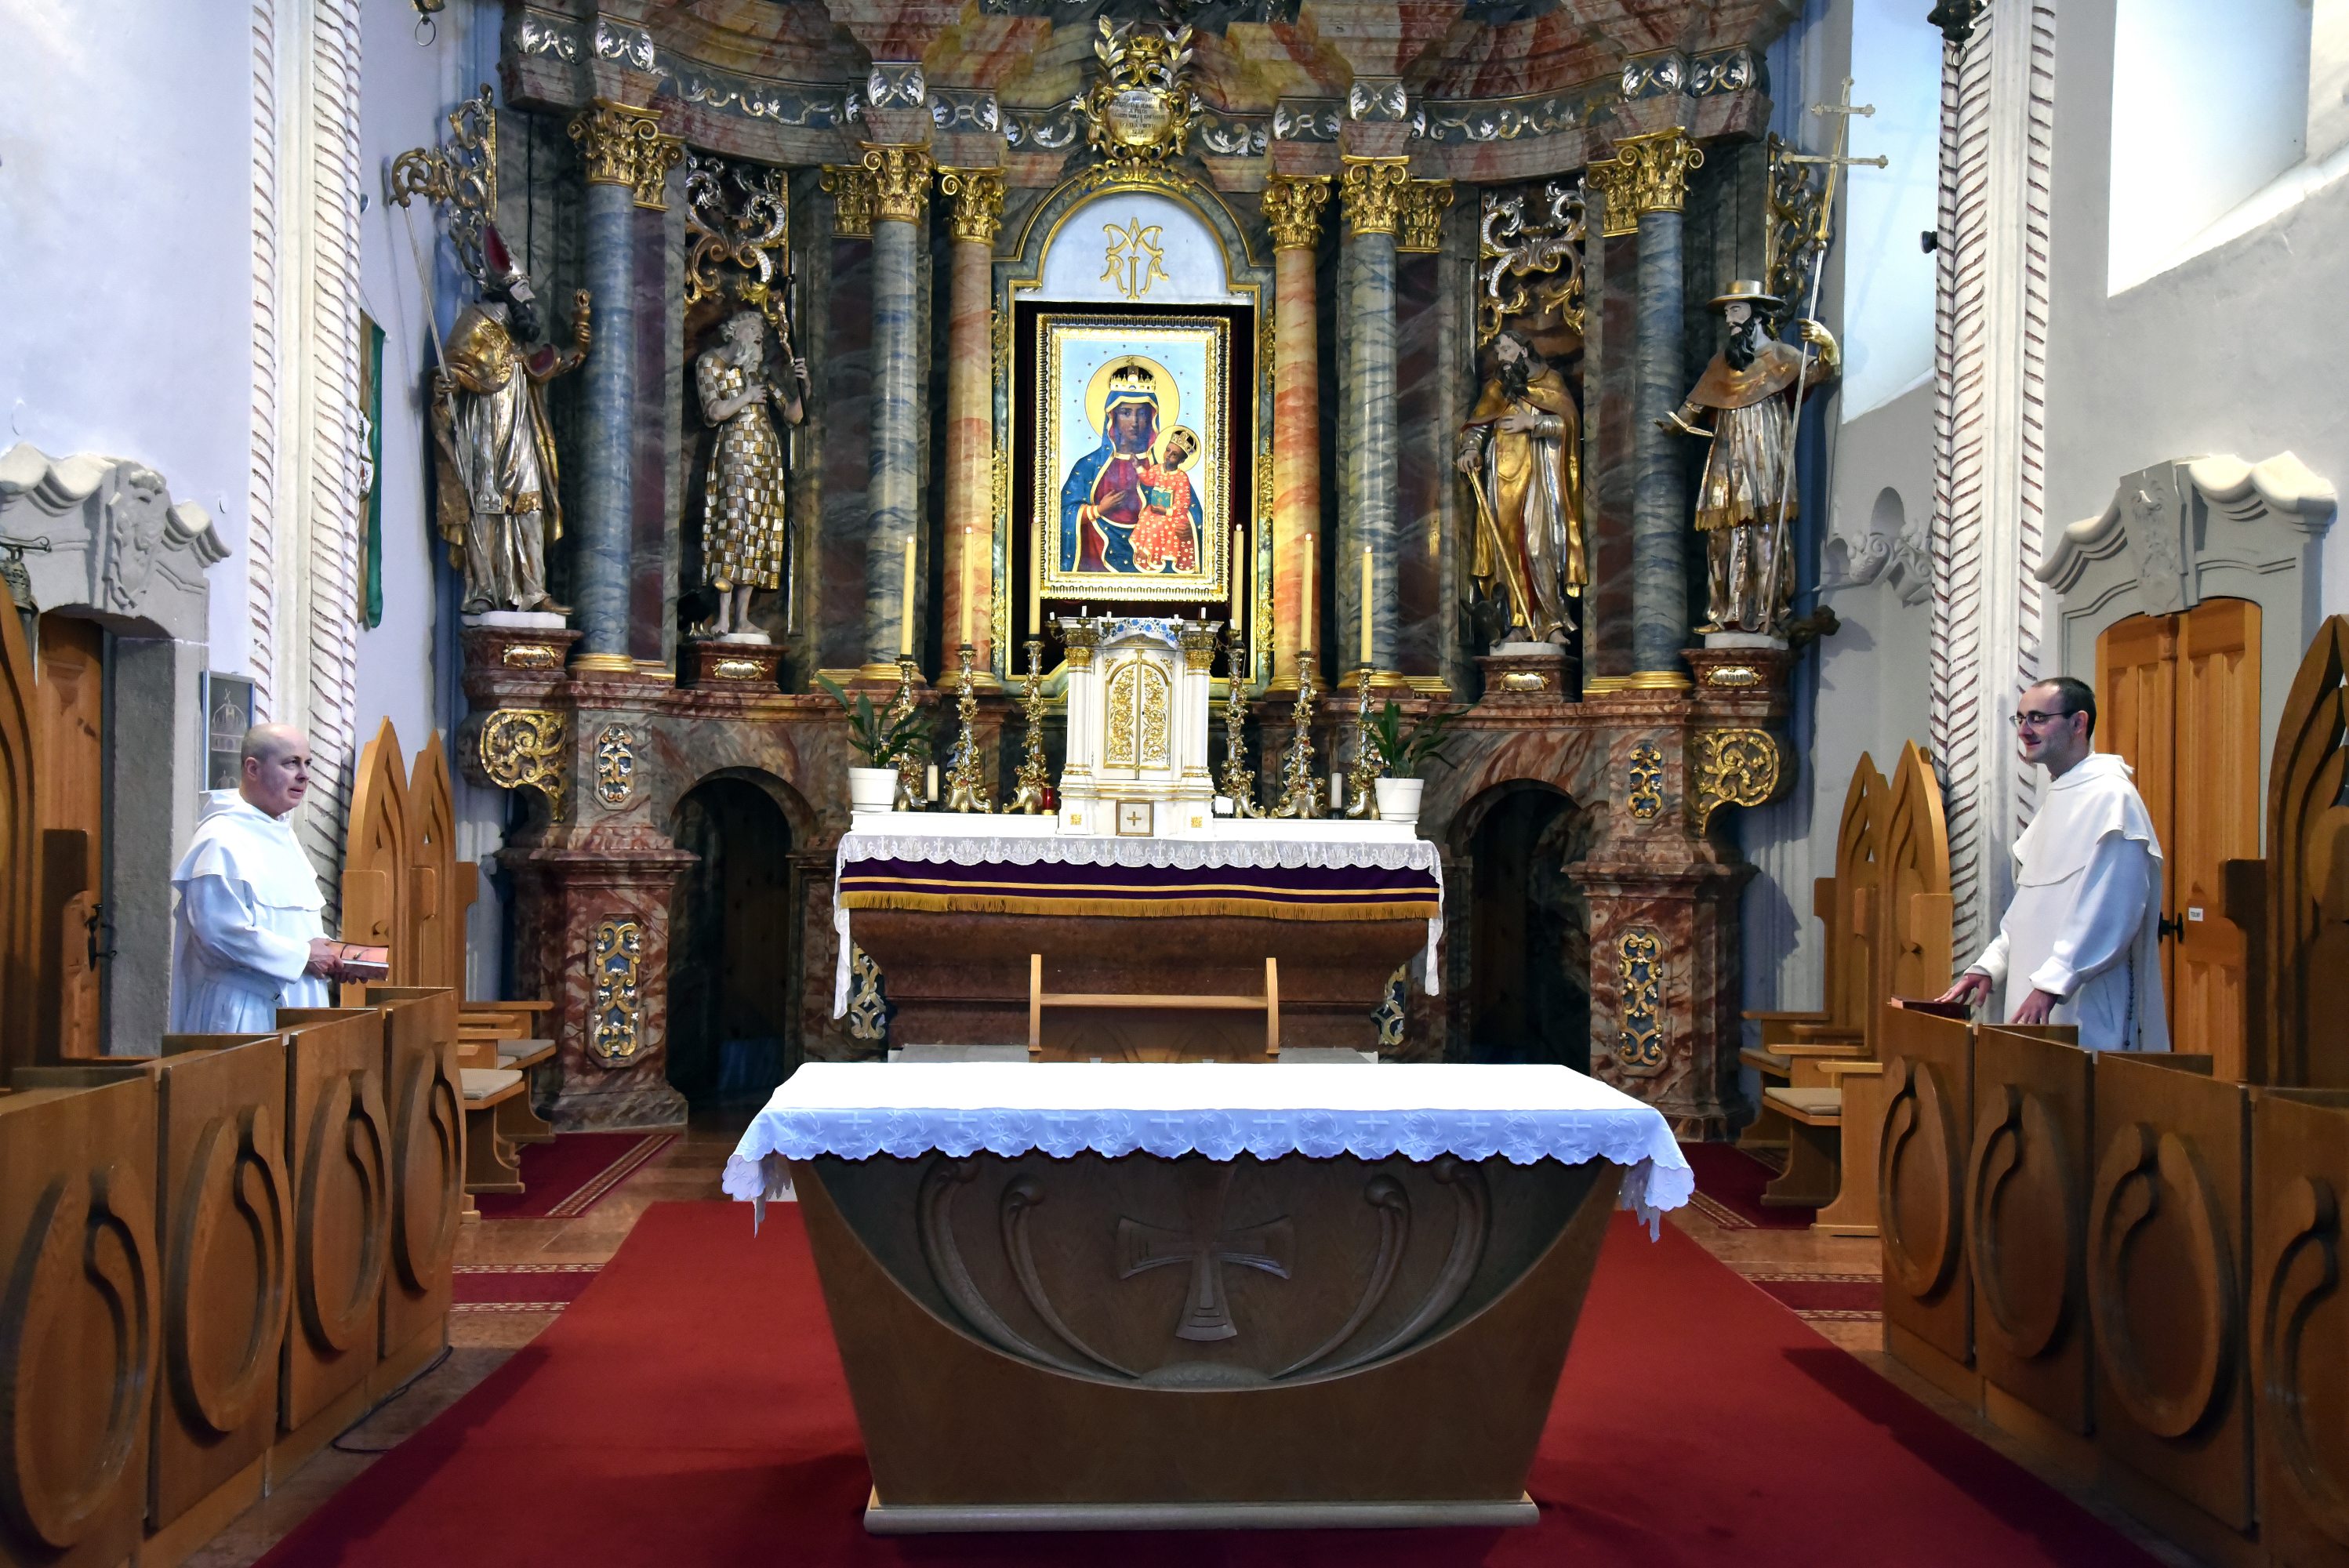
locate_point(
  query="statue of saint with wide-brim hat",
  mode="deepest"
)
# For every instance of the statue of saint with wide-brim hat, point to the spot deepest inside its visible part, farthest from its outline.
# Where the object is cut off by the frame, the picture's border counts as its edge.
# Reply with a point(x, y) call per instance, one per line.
point(1745, 504)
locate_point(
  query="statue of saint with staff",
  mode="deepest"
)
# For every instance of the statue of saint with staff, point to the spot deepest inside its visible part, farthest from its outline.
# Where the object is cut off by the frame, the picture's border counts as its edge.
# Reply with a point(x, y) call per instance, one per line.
point(1521, 450)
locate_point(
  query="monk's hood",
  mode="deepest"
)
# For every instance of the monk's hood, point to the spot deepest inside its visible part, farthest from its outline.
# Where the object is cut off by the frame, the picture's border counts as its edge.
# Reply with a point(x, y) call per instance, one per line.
point(242, 844)
point(2076, 812)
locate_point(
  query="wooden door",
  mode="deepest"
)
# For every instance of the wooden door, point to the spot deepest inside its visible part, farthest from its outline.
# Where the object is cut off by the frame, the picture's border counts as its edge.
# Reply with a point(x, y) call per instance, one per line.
point(70, 703)
point(2180, 700)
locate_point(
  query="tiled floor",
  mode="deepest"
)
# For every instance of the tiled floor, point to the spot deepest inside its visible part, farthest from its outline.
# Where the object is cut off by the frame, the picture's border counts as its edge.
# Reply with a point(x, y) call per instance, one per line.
point(689, 1168)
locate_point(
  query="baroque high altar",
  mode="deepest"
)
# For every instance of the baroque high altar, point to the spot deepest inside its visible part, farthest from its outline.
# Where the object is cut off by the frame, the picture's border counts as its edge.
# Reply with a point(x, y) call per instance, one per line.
point(931, 354)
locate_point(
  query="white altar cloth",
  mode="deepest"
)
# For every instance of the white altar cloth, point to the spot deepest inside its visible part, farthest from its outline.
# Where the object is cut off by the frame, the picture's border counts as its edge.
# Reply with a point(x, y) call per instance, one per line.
point(970, 838)
point(1220, 1109)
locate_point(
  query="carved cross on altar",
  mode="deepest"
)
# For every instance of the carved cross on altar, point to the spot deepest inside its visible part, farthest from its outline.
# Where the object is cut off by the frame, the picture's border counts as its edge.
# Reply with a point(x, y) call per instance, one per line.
point(1207, 1247)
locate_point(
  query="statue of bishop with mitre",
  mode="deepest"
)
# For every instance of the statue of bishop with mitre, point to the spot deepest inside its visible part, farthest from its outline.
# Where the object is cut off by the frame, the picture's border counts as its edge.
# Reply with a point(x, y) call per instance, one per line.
point(498, 505)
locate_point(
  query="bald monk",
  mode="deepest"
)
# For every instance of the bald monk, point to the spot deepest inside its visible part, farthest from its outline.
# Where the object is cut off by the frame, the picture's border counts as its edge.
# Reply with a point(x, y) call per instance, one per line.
point(248, 939)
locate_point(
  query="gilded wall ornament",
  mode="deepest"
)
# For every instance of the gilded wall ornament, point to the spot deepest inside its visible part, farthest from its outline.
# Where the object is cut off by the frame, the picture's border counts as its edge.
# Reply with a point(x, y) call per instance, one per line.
point(616, 765)
point(460, 176)
point(1647, 781)
point(1293, 209)
point(1639, 971)
point(850, 186)
point(530, 746)
point(1733, 768)
point(1372, 189)
point(520, 655)
point(1792, 221)
point(1394, 1011)
point(978, 201)
point(737, 216)
point(1512, 248)
point(868, 1002)
point(737, 670)
point(1140, 110)
point(1734, 676)
point(616, 138)
point(901, 179)
point(1421, 216)
point(614, 1022)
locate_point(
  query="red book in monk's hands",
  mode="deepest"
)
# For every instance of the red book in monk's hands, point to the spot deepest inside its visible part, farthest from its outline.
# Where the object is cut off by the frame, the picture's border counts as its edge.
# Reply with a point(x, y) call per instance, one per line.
point(357, 961)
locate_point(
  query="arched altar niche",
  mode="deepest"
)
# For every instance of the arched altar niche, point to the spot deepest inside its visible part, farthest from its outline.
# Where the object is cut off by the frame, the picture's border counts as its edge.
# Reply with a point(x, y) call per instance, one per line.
point(1099, 257)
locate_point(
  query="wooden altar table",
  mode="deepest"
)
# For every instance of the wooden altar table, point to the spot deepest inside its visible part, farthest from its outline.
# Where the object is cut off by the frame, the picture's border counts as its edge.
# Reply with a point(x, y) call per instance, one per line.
point(1076, 1296)
point(950, 907)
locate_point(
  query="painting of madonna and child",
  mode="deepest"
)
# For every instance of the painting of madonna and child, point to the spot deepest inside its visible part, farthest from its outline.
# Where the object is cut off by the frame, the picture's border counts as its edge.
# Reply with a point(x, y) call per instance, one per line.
point(1135, 461)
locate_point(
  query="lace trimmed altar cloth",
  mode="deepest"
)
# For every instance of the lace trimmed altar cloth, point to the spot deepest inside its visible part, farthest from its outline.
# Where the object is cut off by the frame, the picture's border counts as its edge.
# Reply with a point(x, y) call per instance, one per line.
point(1321, 870)
point(1220, 1109)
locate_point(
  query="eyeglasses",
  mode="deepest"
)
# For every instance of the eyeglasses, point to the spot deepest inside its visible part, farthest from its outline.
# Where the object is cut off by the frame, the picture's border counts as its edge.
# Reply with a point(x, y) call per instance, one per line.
point(2035, 720)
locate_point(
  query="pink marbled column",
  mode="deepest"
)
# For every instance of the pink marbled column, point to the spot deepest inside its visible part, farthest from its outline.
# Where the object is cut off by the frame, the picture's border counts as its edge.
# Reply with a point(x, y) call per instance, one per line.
point(1296, 452)
point(971, 412)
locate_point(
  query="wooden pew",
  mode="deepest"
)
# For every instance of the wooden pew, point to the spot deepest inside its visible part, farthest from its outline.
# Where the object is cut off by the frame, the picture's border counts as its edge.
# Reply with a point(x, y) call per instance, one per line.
point(79, 1253)
point(493, 1162)
point(1921, 1195)
point(424, 1097)
point(2298, 1326)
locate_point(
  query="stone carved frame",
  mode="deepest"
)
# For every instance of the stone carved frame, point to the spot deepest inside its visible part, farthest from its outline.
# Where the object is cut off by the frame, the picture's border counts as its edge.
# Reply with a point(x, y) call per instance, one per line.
point(2195, 527)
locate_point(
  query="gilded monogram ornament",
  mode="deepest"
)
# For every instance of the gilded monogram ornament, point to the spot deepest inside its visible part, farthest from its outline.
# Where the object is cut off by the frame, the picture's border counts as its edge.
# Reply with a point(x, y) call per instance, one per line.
point(1134, 259)
point(1733, 768)
point(978, 201)
point(616, 765)
point(850, 186)
point(1293, 209)
point(614, 1026)
point(1373, 189)
point(1640, 969)
point(901, 179)
point(1421, 216)
point(530, 746)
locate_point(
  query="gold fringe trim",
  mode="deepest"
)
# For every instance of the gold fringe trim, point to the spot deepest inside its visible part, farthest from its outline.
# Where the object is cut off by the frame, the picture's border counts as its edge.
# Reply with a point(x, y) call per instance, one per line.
point(1132, 908)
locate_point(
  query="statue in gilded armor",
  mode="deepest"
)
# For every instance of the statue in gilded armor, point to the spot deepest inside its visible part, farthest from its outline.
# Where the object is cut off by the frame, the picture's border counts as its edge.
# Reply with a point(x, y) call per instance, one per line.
point(1521, 450)
point(497, 502)
point(744, 535)
point(1745, 503)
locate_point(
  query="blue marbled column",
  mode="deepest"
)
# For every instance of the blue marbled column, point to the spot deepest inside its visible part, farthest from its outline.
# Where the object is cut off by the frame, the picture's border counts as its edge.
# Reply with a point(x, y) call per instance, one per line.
point(608, 415)
point(896, 470)
point(1660, 513)
point(1373, 457)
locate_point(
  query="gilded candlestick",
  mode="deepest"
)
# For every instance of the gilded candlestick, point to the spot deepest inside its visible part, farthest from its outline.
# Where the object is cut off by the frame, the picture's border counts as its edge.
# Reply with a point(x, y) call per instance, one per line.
point(1300, 793)
point(1239, 780)
point(966, 786)
point(1369, 766)
point(1033, 779)
point(911, 761)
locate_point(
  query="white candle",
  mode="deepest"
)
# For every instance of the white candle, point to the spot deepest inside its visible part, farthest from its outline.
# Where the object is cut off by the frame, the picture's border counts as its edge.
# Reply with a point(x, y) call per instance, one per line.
point(1305, 618)
point(1366, 609)
point(1035, 588)
point(906, 603)
point(1243, 572)
point(966, 594)
point(1336, 791)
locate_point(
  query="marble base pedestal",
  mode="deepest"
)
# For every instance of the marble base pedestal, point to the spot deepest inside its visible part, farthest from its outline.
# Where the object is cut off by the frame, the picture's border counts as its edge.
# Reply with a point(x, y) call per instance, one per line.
point(721, 662)
point(1518, 672)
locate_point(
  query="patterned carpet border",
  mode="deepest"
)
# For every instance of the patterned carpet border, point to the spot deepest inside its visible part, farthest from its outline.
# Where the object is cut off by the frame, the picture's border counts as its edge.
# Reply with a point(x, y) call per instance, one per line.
point(611, 1175)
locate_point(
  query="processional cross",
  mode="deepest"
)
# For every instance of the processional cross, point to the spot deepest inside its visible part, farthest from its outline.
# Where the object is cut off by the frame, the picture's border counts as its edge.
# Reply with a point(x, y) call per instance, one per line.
point(1207, 1247)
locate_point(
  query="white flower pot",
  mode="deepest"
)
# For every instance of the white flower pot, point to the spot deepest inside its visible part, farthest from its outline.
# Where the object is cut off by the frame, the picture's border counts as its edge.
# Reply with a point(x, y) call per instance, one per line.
point(1399, 799)
point(872, 789)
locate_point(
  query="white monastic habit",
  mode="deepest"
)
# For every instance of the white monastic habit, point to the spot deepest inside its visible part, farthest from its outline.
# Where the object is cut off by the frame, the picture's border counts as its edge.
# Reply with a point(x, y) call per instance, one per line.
point(2086, 919)
point(249, 906)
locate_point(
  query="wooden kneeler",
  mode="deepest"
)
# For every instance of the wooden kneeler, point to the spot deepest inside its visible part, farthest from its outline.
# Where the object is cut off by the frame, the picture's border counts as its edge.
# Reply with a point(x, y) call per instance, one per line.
point(1093, 1026)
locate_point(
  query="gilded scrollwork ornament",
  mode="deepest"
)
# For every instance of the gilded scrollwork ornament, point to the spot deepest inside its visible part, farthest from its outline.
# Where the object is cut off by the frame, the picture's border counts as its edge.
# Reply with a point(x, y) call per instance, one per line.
point(736, 216)
point(1732, 767)
point(1140, 111)
point(1647, 781)
point(530, 746)
point(459, 177)
point(614, 1023)
point(615, 766)
point(1513, 248)
point(1640, 975)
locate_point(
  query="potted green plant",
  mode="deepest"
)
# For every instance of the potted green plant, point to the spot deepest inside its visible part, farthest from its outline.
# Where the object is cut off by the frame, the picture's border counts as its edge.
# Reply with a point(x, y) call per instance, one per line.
point(880, 741)
point(1403, 748)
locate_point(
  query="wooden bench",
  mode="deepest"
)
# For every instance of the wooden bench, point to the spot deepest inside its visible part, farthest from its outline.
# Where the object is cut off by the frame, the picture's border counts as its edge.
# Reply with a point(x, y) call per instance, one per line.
point(1831, 1162)
point(1093, 1025)
point(489, 1088)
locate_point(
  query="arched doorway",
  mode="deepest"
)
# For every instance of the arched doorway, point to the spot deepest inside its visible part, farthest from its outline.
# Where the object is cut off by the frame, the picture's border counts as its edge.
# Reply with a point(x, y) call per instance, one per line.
point(1528, 993)
point(733, 958)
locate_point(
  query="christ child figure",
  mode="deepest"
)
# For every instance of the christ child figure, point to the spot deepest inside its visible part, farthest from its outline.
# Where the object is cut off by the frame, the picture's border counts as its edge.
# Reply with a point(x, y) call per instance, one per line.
point(1163, 537)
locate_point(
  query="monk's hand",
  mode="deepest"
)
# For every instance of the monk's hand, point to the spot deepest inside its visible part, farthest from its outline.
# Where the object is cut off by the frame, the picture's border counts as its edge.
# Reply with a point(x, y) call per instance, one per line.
point(325, 959)
point(2036, 1008)
point(1517, 421)
point(1973, 990)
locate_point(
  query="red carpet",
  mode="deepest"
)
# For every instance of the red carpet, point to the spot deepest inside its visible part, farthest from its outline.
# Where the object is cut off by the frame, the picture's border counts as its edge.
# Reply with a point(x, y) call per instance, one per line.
point(564, 1179)
point(1729, 1185)
point(688, 1409)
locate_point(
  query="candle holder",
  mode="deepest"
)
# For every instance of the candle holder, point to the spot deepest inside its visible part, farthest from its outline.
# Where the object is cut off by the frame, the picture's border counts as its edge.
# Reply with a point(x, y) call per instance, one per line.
point(1369, 766)
point(911, 761)
point(1033, 779)
point(966, 786)
point(1238, 783)
point(1300, 793)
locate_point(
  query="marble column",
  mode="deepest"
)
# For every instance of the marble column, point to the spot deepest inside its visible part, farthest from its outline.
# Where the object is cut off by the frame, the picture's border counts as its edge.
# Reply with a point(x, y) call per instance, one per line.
point(626, 154)
point(1374, 190)
point(1292, 210)
point(901, 195)
point(971, 412)
point(1645, 185)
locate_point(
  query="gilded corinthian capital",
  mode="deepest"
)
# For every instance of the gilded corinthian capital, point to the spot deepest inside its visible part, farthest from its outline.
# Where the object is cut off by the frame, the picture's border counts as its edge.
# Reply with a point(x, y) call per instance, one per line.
point(618, 141)
point(1292, 208)
point(850, 185)
point(1648, 174)
point(1373, 189)
point(1421, 215)
point(978, 202)
point(901, 179)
